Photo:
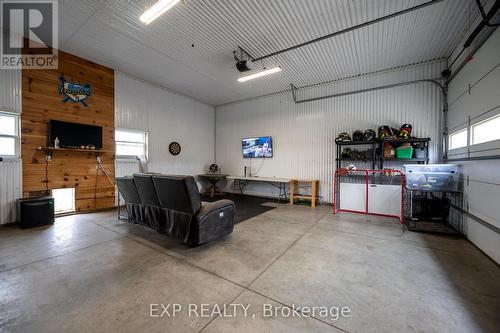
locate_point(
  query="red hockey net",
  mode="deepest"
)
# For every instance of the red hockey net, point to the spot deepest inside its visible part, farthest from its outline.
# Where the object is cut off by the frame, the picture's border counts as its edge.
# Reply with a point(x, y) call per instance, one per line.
point(372, 192)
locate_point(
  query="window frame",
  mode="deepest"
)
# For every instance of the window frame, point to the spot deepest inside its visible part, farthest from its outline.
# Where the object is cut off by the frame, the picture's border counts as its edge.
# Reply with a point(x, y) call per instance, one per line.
point(466, 130)
point(16, 137)
point(472, 127)
point(131, 157)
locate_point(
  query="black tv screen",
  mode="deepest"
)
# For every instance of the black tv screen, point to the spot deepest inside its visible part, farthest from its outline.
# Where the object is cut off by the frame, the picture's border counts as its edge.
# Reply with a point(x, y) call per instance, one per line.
point(73, 135)
point(258, 147)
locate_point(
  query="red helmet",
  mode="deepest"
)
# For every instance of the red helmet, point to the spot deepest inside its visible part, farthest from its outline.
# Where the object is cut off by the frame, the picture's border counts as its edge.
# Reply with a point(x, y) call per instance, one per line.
point(405, 131)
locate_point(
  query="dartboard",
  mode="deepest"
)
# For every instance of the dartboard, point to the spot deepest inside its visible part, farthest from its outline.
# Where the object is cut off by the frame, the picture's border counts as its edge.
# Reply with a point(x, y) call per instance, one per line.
point(174, 148)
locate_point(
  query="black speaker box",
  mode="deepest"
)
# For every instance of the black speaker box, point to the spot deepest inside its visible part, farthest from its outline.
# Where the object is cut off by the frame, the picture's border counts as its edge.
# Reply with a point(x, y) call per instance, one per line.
point(36, 212)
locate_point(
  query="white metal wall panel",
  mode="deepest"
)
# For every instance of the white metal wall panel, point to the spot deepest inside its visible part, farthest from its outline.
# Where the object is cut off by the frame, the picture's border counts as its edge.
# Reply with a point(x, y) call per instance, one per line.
point(10, 171)
point(304, 134)
point(126, 167)
point(10, 190)
point(10, 90)
point(167, 117)
point(482, 191)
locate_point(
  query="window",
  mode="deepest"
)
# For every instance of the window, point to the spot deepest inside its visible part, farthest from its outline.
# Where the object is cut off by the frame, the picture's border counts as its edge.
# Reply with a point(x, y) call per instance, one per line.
point(458, 139)
point(9, 134)
point(64, 200)
point(486, 130)
point(131, 143)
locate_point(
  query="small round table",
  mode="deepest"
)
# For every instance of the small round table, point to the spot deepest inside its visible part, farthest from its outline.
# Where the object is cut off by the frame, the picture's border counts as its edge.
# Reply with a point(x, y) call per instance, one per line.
point(213, 179)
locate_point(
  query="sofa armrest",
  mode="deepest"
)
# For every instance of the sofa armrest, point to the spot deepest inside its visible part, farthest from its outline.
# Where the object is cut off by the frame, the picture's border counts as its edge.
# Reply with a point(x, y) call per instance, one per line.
point(208, 207)
point(213, 221)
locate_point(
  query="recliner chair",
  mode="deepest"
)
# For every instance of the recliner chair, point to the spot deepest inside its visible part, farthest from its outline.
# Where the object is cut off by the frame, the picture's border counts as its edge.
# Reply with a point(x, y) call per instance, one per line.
point(153, 215)
point(127, 188)
point(186, 218)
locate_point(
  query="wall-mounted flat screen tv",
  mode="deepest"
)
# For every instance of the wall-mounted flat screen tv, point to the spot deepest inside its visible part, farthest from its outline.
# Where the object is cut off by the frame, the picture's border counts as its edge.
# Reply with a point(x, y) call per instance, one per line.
point(258, 147)
point(73, 135)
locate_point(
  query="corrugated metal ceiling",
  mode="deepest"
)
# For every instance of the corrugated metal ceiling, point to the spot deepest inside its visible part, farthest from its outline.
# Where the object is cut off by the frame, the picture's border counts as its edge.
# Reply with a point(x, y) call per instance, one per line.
point(110, 33)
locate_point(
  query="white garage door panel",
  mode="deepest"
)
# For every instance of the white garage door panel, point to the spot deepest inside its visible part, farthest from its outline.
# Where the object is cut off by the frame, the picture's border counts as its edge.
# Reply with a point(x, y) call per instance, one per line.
point(488, 240)
point(484, 60)
point(384, 199)
point(483, 201)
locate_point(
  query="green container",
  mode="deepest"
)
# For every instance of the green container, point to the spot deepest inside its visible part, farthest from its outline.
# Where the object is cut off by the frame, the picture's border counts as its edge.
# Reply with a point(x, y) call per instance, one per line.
point(404, 153)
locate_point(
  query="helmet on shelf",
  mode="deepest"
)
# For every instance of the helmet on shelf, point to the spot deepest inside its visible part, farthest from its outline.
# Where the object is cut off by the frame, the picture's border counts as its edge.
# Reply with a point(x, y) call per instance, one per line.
point(346, 153)
point(385, 132)
point(358, 136)
point(343, 137)
point(355, 154)
point(370, 135)
point(405, 131)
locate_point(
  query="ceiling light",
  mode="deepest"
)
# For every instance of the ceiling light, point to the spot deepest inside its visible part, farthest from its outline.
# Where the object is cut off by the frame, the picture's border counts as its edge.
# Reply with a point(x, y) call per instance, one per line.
point(156, 10)
point(260, 74)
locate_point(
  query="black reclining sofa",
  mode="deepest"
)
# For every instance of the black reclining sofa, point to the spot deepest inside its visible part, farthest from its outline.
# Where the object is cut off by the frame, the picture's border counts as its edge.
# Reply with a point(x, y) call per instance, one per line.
point(172, 206)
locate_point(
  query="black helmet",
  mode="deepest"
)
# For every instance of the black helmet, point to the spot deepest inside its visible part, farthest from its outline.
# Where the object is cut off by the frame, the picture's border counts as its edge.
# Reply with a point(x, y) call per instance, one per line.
point(358, 136)
point(356, 154)
point(370, 135)
point(343, 137)
point(346, 153)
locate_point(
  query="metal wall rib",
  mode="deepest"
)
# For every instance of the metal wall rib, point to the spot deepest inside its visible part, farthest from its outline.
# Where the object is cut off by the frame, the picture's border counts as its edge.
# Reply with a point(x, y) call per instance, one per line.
point(10, 90)
point(304, 134)
point(10, 190)
point(167, 117)
point(10, 171)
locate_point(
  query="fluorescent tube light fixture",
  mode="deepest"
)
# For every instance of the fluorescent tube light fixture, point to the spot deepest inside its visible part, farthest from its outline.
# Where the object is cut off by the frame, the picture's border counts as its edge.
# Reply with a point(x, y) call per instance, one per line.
point(259, 74)
point(156, 10)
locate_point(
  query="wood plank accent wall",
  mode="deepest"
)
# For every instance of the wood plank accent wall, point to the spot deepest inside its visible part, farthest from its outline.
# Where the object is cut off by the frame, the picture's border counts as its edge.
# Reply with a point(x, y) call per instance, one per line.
point(41, 102)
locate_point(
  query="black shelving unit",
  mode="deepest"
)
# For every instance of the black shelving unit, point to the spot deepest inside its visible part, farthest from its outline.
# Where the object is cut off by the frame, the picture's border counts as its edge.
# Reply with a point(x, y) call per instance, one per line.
point(378, 146)
point(372, 160)
point(398, 142)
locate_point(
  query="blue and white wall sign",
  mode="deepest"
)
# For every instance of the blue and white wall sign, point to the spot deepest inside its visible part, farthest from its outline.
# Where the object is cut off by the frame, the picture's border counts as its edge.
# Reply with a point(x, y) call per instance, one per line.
point(74, 92)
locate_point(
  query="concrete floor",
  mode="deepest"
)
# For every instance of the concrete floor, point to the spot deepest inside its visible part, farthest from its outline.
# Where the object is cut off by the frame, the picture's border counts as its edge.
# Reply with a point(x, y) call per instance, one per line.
point(93, 273)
